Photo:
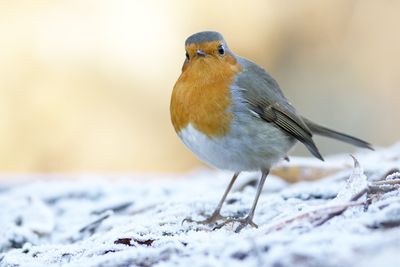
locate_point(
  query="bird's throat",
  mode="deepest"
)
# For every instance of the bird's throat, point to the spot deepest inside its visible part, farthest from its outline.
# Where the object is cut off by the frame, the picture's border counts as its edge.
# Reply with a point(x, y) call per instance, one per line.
point(202, 97)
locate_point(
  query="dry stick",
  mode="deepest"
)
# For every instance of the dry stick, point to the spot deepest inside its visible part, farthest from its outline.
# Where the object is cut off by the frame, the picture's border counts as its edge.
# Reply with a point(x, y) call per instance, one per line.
point(313, 213)
point(389, 172)
point(115, 208)
point(387, 182)
point(332, 211)
point(383, 186)
point(94, 224)
point(339, 212)
point(144, 209)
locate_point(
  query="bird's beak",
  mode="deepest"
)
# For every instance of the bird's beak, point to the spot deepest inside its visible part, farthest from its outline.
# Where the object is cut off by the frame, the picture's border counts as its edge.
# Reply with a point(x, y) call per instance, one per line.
point(201, 53)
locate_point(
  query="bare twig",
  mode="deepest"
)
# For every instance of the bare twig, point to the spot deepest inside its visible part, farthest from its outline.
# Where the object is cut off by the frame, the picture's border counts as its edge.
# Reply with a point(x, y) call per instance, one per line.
point(144, 209)
point(315, 214)
point(116, 208)
point(128, 241)
point(387, 182)
point(389, 173)
point(91, 227)
point(323, 214)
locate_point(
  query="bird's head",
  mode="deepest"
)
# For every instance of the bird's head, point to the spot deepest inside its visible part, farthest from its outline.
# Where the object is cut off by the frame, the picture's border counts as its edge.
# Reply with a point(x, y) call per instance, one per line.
point(207, 49)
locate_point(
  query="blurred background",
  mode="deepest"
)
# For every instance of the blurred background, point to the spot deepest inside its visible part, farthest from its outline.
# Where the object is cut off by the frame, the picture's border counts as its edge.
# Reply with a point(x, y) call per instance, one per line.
point(85, 84)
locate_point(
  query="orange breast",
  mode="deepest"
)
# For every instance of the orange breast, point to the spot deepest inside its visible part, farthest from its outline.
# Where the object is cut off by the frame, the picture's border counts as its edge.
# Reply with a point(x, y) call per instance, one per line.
point(202, 96)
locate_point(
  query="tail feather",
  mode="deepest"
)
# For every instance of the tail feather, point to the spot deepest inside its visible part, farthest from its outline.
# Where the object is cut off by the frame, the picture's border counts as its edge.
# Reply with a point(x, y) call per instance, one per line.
point(323, 131)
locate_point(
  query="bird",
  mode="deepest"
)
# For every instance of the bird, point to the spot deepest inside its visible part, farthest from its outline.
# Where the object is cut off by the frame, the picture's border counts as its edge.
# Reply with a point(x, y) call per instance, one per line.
point(232, 114)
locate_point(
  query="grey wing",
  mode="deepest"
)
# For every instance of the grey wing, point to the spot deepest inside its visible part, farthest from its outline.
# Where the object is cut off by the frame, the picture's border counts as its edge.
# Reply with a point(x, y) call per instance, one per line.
point(266, 99)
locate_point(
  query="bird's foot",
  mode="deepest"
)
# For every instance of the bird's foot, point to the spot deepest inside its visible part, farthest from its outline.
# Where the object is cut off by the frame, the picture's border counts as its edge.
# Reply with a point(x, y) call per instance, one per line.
point(243, 222)
point(216, 216)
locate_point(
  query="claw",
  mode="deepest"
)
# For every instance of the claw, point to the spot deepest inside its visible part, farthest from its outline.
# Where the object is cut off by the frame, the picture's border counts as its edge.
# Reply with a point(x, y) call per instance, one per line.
point(243, 222)
point(210, 220)
point(187, 219)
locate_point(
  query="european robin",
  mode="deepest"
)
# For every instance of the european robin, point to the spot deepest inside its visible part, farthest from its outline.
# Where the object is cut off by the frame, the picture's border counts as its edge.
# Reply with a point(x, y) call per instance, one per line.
point(232, 114)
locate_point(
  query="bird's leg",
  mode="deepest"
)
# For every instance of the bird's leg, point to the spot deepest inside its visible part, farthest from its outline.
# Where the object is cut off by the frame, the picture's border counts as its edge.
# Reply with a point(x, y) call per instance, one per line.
point(248, 220)
point(216, 215)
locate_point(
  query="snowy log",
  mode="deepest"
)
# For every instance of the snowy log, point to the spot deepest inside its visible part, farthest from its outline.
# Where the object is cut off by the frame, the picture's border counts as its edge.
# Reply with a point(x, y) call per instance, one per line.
point(339, 213)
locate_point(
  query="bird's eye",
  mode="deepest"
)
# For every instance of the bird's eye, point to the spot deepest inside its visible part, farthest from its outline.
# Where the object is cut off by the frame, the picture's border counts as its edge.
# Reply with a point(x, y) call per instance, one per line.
point(221, 50)
point(187, 56)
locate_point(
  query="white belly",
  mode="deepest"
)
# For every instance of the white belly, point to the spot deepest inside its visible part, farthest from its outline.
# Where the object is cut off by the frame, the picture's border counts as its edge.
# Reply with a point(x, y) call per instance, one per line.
point(251, 144)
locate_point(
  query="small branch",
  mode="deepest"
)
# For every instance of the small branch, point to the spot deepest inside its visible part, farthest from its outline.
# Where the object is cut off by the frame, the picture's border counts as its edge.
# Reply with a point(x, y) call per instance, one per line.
point(390, 173)
point(91, 227)
point(116, 208)
point(387, 182)
point(383, 186)
point(144, 209)
point(321, 215)
point(128, 241)
point(316, 214)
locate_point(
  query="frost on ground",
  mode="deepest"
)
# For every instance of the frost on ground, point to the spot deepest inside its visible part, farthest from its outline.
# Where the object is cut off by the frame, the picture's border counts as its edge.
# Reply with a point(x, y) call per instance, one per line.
point(342, 216)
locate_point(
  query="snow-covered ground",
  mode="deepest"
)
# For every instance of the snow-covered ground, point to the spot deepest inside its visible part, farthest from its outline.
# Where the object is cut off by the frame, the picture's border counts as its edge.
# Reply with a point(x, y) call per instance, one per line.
point(350, 217)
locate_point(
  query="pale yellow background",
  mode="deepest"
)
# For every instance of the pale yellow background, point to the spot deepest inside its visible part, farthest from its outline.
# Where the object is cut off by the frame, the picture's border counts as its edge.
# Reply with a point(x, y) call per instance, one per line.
point(85, 85)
